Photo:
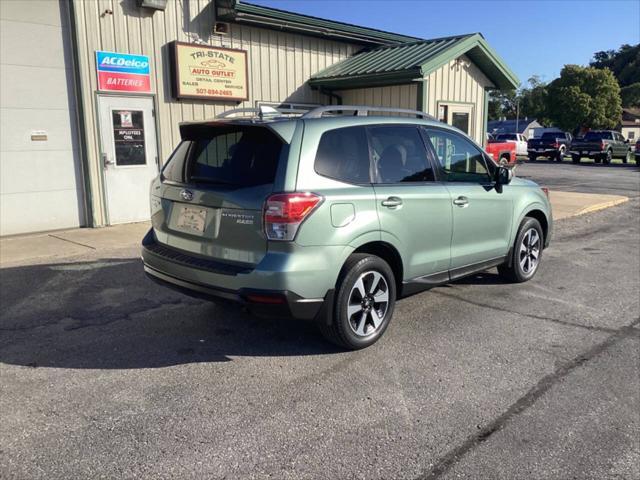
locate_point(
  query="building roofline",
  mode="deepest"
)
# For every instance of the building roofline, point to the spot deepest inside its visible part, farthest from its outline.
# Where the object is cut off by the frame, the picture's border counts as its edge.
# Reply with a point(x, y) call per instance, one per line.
point(241, 12)
point(473, 45)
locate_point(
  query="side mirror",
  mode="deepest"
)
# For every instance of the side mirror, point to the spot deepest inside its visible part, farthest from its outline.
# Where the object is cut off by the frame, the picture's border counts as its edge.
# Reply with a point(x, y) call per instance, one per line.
point(504, 175)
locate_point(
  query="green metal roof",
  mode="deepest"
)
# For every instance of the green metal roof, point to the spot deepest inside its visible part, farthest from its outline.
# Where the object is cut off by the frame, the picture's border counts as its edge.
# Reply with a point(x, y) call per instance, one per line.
point(394, 64)
point(241, 12)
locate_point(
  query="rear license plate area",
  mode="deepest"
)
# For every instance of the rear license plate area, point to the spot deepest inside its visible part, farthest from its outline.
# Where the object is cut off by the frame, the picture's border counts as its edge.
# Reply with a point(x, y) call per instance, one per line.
point(191, 219)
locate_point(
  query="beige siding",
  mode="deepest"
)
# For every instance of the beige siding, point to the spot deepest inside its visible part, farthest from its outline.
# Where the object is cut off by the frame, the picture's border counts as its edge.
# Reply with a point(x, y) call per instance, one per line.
point(459, 84)
point(399, 96)
point(279, 64)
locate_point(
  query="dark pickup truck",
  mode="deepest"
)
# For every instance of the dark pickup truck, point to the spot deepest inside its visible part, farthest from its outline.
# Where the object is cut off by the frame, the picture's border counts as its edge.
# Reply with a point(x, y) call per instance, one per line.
point(553, 145)
point(602, 146)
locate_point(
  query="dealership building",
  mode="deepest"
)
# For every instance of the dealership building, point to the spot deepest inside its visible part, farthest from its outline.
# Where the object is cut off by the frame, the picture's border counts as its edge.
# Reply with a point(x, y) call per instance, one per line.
point(92, 92)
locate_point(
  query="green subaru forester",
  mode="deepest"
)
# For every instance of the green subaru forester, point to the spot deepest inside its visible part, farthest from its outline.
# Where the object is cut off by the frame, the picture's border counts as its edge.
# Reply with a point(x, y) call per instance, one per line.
point(333, 215)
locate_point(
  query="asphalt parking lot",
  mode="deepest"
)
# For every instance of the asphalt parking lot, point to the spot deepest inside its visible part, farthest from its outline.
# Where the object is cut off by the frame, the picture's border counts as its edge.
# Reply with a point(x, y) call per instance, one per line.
point(105, 374)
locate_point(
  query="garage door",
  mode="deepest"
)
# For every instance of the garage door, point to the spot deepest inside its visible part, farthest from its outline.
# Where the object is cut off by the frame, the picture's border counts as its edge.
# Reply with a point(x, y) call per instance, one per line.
point(40, 178)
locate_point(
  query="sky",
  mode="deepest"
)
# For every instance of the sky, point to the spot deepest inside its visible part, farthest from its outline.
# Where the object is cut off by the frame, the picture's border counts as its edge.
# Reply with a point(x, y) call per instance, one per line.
point(534, 37)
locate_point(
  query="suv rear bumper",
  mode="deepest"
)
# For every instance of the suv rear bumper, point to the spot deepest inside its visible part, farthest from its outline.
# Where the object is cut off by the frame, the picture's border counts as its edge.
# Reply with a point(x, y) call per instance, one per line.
point(263, 293)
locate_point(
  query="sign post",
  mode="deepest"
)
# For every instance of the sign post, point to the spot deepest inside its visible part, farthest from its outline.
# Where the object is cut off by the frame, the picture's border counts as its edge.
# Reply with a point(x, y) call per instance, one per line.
point(203, 72)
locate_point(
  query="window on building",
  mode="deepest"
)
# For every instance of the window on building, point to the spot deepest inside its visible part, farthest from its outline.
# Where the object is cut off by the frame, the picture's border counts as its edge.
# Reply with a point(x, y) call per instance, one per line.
point(399, 155)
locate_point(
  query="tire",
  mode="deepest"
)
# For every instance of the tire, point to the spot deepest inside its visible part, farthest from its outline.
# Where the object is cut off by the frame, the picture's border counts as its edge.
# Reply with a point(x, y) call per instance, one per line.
point(523, 264)
point(560, 155)
point(504, 161)
point(532, 158)
point(607, 157)
point(597, 159)
point(349, 331)
point(575, 158)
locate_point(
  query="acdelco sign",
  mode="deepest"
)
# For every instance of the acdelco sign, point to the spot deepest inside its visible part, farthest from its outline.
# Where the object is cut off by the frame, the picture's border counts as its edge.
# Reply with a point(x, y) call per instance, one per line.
point(123, 72)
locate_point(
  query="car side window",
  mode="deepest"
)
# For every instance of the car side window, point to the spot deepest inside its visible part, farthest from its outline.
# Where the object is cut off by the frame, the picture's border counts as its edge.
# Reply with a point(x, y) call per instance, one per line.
point(174, 169)
point(343, 154)
point(399, 155)
point(460, 160)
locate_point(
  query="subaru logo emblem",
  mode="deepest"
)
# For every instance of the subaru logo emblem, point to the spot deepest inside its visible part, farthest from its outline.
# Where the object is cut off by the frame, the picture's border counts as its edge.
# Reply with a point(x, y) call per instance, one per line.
point(186, 195)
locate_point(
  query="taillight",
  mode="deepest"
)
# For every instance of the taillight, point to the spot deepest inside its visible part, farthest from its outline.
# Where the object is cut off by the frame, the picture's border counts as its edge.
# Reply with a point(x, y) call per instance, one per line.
point(556, 145)
point(285, 212)
point(546, 191)
point(602, 144)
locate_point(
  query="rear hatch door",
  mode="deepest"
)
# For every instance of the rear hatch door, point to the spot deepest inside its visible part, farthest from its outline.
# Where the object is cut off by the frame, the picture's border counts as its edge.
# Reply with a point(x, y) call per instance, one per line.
point(212, 191)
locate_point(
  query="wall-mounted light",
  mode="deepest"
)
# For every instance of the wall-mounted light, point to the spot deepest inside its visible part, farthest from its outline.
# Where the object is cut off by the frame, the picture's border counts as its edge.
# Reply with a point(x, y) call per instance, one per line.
point(462, 62)
point(153, 4)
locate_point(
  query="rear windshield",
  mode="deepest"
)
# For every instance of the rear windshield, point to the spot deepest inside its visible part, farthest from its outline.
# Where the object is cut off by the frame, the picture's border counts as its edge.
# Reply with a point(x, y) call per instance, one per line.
point(596, 135)
point(229, 155)
point(552, 135)
point(507, 136)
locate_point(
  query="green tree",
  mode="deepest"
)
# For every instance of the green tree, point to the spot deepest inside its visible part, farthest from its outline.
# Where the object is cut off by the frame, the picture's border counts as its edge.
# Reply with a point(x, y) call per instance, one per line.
point(502, 103)
point(630, 95)
point(533, 100)
point(624, 63)
point(584, 97)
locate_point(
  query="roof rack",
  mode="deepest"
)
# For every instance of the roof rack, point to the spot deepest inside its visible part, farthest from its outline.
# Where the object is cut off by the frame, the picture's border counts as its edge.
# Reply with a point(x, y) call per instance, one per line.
point(363, 111)
point(261, 112)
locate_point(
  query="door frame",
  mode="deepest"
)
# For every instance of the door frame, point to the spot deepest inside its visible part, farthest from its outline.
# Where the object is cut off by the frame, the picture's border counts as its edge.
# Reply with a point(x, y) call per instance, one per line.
point(156, 125)
point(453, 103)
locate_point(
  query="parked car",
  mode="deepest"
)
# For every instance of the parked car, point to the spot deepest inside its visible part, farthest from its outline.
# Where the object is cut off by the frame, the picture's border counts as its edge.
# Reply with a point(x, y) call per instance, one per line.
point(601, 146)
point(553, 145)
point(517, 138)
point(637, 154)
point(504, 153)
point(332, 218)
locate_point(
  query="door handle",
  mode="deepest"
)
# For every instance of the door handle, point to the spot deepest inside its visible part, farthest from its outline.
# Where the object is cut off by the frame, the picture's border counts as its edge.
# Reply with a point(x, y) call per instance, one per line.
point(392, 202)
point(106, 161)
point(461, 201)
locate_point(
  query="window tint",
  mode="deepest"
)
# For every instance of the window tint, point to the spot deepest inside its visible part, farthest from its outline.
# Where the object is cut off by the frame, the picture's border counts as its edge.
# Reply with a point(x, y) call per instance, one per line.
point(238, 156)
point(174, 169)
point(399, 155)
point(460, 160)
point(343, 154)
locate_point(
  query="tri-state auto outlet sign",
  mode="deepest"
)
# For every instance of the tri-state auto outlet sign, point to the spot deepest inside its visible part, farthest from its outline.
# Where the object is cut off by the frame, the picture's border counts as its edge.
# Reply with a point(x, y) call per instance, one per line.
point(203, 72)
point(123, 72)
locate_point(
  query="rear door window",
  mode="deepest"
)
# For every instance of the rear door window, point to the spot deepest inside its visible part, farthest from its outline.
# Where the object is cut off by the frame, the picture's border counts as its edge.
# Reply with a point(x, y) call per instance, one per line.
point(343, 154)
point(237, 156)
point(399, 155)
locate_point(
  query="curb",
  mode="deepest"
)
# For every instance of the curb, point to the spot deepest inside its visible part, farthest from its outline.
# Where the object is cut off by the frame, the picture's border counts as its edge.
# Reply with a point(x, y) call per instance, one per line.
point(601, 206)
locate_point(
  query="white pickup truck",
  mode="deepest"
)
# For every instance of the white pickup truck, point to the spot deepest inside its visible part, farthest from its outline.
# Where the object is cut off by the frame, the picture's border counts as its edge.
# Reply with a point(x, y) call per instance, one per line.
point(517, 138)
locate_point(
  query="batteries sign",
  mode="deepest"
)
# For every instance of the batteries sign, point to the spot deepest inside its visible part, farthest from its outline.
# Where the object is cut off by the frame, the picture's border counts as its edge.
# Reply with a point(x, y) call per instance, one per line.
point(123, 72)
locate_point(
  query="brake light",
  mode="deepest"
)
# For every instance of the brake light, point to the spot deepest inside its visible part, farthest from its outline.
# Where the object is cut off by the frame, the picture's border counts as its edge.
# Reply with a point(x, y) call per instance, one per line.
point(546, 191)
point(602, 144)
point(555, 145)
point(285, 212)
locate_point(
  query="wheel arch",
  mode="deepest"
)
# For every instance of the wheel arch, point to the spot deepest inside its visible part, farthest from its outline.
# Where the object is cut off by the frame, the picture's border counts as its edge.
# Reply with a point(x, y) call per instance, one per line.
point(539, 215)
point(389, 254)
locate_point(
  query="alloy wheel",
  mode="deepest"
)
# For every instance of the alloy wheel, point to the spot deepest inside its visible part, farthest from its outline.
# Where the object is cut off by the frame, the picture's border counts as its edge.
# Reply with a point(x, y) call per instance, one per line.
point(368, 303)
point(529, 251)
